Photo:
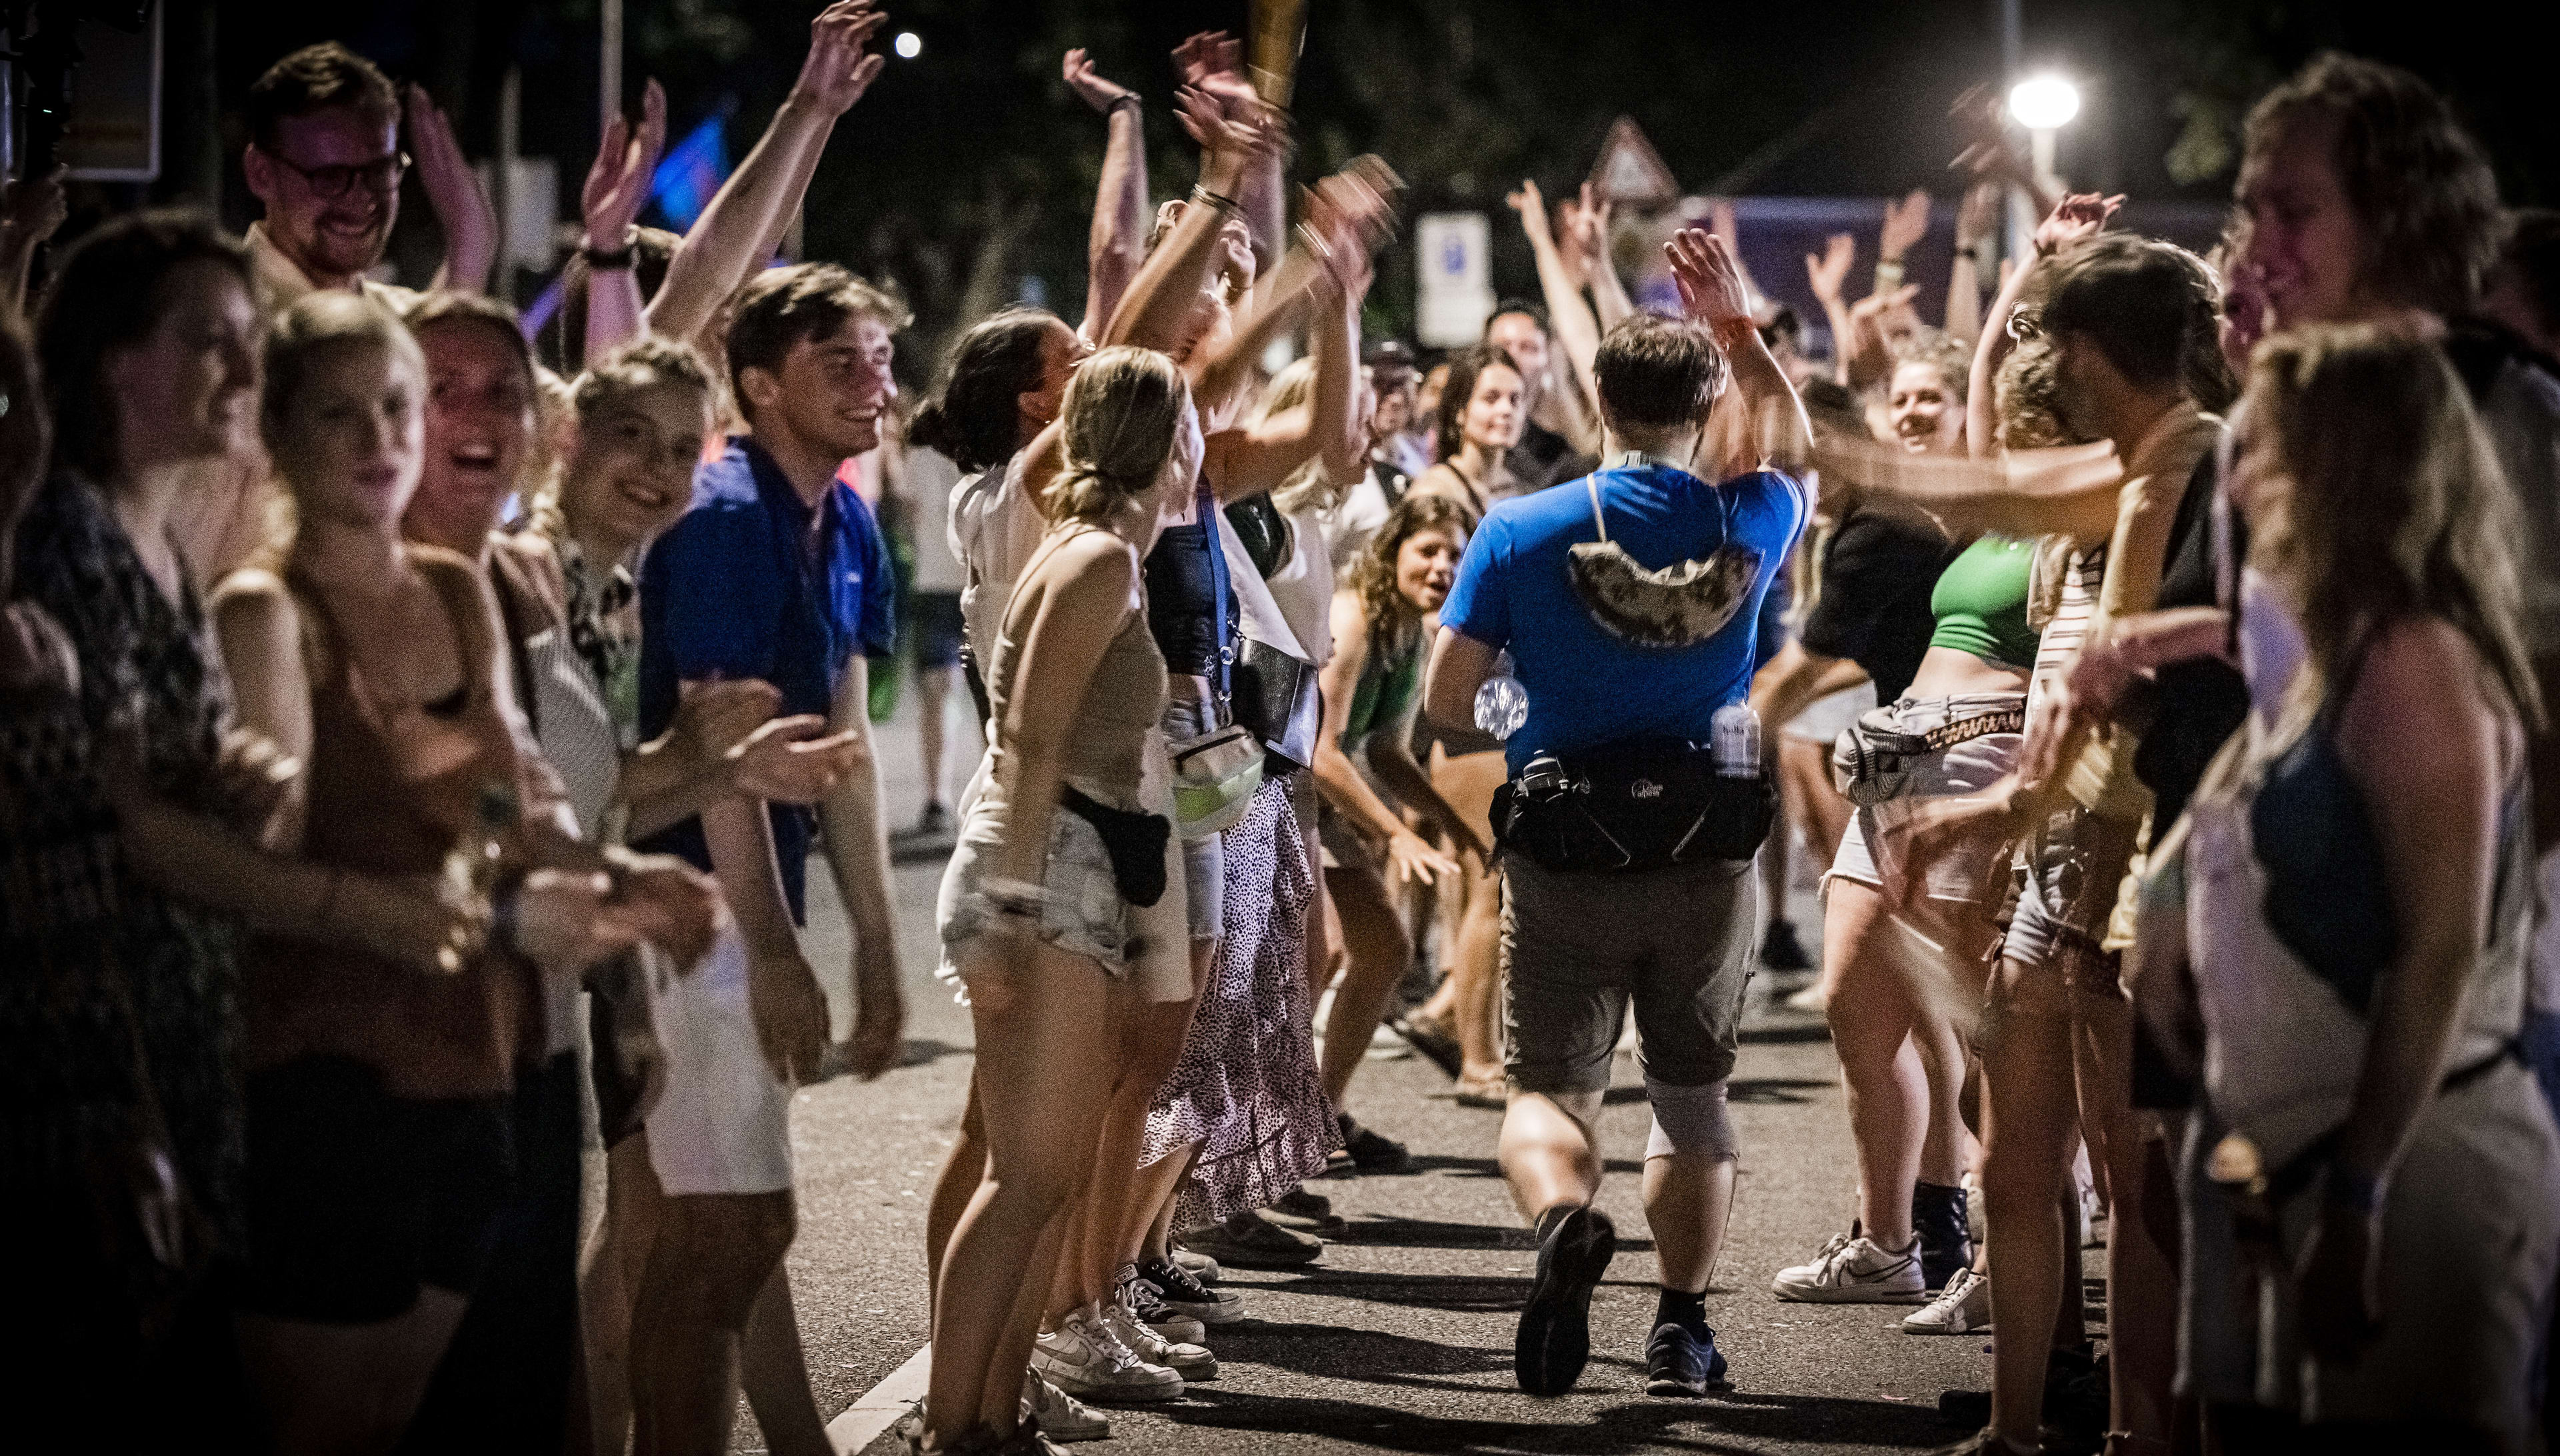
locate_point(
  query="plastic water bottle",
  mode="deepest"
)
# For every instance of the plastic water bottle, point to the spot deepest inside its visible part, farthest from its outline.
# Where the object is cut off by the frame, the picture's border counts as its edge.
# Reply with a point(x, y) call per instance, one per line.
point(1502, 703)
point(1737, 741)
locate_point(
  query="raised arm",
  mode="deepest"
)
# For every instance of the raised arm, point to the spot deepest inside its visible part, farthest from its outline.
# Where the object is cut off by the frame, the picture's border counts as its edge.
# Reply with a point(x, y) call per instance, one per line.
point(1160, 301)
point(1575, 328)
point(2076, 217)
point(31, 213)
point(617, 188)
point(1905, 223)
point(1976, 226)
point(1586, 241)
point(1212, 63)
point(736, 232)
point(1117, 241)
point(1828, 273)
point(1712, 293)
point(453, 193)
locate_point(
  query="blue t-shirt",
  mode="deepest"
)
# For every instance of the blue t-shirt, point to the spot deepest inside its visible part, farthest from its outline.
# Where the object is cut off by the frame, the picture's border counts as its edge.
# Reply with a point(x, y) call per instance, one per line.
point(1585, 686)
point(741, 587)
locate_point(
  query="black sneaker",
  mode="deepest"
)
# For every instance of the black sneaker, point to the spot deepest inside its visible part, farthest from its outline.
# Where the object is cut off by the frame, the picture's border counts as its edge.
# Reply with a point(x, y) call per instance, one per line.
point(1938, 1215)
point(1780, 950)
point(1554, 1338)
point(1312, 1213)
point(1679, 1363)
point(1370, 1153)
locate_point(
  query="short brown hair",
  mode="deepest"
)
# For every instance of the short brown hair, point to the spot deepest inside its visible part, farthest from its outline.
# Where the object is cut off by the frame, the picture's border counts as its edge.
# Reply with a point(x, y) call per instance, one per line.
point(2153, 308)
point(781, 307)
point(315, 79)
point(108, 295)
point(2416, 178)
point(1657, 372)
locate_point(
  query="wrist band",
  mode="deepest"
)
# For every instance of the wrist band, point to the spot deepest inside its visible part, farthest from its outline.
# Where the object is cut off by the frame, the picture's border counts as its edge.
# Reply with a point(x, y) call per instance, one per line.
point(1217, 200)
point(1888, 274)
point(1126, 98)
point(1970, 252)
point(608, 259)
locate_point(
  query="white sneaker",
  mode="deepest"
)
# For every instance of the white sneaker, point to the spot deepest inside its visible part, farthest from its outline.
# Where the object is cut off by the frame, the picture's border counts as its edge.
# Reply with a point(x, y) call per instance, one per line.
point(1963, 1307)
point(1061, 1416)
point(1190, 1362)
point(1854, 1269)
point(1084, 1357)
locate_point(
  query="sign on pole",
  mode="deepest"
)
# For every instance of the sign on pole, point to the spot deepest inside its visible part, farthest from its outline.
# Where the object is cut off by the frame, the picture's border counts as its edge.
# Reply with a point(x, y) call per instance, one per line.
point(1630, 172)
point(114, 131)
point(1457, 277)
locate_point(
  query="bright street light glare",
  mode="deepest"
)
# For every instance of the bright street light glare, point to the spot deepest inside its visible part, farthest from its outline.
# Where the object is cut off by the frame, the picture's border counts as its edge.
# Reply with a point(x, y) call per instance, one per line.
point(911, 45)
point(2043, 102)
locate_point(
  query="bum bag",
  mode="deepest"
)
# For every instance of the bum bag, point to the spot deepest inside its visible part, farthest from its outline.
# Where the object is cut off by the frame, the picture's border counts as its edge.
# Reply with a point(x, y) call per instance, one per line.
point(1871, 761)
point(1632, 805)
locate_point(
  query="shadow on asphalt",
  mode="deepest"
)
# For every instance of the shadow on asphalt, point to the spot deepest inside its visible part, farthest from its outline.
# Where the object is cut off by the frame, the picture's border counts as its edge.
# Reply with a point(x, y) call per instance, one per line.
point(1786, 1035)
point(1785, 1091)
point(1387, 1228)
point(1715, 1425)
point(921, 1051)
point(1488, 1168)
point(1453, 1293)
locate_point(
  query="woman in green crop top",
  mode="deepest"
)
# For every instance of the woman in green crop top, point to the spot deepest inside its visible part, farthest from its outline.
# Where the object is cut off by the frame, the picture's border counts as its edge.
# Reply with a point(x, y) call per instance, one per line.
point(1371, 690)
point(1902, 1058)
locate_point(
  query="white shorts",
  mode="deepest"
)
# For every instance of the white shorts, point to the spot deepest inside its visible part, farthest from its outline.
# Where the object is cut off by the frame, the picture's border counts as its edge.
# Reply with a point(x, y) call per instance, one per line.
point(723, 1124)
point(1830, 716)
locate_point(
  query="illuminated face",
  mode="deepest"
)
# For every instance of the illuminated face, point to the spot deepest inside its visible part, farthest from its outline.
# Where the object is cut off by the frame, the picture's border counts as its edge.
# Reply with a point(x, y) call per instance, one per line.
point(1518, 334)
point(2301, 244)
point(353, 437)
point(480, 424)
point(331, 188)
point(632, 472)
point(1426, 565)
point(1923, 412)
point(835, 387)
point(191, 383)
point(1494, 414)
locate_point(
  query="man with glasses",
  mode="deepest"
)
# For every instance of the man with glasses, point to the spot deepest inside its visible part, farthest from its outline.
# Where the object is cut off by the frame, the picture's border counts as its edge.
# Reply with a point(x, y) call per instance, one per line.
point(324, 158)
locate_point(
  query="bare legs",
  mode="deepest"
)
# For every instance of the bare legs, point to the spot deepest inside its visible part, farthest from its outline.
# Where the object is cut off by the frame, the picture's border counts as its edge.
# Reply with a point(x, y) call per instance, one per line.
point(1475, 961)
point(776, 1372)
point(1045, 1050)
point(347, 1390)
point(932, 690)
point(1377, 951)
point(1549, 1156)
point(2028, 1119)
point(1902, 1059)
point(708, 1263)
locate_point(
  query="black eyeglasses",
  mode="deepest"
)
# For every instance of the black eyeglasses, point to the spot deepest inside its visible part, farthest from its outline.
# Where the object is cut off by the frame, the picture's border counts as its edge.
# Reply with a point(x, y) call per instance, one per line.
point(380, 176)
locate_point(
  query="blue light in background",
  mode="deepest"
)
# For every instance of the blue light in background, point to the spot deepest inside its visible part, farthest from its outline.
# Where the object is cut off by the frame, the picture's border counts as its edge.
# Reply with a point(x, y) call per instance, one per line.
point(691, 171)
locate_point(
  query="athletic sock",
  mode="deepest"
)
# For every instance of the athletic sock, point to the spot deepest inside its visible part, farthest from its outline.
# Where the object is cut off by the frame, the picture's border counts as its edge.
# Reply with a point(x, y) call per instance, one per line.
point(1677, 1307)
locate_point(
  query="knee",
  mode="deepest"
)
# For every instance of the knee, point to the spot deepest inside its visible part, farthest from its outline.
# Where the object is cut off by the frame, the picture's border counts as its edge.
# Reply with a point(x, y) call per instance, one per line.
point(1691, 1122)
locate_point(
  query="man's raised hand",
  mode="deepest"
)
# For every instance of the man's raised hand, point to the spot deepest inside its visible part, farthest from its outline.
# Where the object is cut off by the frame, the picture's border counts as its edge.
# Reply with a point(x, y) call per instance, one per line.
point(1090, 86)
point(1709, 281)
point(617, 185)
point(1828, 273)
point(839, 68)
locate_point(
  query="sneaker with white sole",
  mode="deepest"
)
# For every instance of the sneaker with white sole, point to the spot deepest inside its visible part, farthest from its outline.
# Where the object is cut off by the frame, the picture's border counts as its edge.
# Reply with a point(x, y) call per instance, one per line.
point(1146, 1306)
point(1190, 1362)
point(1854, 1269)
point(1061, 1416)
point(1184, 1294)
point(1085, 1356)
point(1963, 1307)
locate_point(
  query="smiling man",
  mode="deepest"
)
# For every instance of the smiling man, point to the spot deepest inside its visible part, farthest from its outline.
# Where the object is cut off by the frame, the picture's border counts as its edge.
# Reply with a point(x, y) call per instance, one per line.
point(776, 572)
point(324, 159)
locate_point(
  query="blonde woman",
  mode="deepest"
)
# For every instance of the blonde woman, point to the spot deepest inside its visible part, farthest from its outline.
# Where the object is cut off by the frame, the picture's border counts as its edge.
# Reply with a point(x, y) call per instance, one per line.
point(1033, 913)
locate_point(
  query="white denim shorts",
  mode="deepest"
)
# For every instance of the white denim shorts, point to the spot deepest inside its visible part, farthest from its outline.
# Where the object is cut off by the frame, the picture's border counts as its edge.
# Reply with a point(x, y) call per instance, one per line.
point(1963, 768)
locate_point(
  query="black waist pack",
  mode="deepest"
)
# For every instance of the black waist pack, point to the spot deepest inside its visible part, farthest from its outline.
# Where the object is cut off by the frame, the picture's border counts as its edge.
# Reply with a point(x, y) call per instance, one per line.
point(1632, 805)
point(1134, 841)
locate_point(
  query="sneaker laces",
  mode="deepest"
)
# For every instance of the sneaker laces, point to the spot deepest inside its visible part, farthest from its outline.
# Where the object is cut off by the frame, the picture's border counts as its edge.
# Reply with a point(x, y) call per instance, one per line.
point(1139, 1298)
point(1104, 1341)
point(1960, 1287)
point(1052, 1406)
point(1172, 1280)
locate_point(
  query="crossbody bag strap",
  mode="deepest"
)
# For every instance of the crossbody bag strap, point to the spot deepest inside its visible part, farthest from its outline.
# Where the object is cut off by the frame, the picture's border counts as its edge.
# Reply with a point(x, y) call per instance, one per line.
point(1219, 583)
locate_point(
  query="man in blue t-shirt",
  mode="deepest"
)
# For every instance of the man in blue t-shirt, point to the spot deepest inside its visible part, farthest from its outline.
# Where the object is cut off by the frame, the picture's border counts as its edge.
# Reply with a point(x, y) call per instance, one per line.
point(1675, 940)
point(776, 572)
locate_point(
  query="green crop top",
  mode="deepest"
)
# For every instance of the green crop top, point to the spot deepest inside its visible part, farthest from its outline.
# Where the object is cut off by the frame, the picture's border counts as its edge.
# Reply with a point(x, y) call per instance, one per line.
point(1981, 602)
point(1389, 682)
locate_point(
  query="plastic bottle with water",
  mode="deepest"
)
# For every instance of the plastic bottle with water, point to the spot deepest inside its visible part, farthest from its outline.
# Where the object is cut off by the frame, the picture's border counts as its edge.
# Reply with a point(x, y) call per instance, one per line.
point(1502, 703)
point(1737, 741)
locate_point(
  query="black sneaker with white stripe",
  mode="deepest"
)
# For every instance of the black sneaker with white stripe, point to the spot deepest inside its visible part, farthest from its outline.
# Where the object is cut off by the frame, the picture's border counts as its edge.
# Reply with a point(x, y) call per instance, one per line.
point(1181, 1292)
point(1146, 1304)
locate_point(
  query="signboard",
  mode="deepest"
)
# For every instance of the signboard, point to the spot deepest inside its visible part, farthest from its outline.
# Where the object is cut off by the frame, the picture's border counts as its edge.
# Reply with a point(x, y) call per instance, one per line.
point(112, 131)
point(1630, 172)
point(1454, 253)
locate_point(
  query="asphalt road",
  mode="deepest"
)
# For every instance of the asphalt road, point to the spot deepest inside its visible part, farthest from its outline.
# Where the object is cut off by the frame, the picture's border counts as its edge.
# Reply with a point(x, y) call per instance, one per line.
point(1399, 1340)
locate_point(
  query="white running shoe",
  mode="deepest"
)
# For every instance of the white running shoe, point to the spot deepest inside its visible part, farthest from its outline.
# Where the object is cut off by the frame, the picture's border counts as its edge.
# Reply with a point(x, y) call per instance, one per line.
point(1963, 1307)
point(1146, 1304)
point(1084, 1357)
point(1190, 1362)
point(1061, 1416)
point(1854, 1269)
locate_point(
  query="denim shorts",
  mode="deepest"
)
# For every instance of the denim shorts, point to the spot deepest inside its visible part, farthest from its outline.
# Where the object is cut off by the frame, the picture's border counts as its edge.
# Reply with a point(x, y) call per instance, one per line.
point(1084, 912)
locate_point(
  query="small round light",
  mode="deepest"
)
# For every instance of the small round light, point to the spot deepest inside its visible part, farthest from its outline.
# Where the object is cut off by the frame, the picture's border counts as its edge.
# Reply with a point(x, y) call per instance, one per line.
point(2043, 102)
point(909, 45)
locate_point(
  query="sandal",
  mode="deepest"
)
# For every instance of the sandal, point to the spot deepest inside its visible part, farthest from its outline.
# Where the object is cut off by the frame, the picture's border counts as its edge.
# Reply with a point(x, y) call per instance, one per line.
point(1493, 1093)
point(1431, 1039)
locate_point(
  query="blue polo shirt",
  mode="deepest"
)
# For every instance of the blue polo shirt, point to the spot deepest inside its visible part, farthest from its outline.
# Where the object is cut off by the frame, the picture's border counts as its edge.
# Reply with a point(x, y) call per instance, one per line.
point(1585, 686)
point(741, 587)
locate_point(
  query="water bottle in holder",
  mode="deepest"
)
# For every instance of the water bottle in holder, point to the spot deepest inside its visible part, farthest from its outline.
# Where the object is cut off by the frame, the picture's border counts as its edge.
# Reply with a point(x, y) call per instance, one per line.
point(1737, 741)
point(1502, 703)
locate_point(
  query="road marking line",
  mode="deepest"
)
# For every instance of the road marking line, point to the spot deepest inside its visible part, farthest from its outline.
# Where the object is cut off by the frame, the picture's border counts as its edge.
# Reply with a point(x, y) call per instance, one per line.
point(881, 1406)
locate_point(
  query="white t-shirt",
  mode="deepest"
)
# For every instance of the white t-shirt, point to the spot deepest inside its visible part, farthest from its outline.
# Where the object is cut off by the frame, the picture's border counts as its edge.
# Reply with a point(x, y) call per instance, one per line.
point(994, 528)
point(1303, 587)
point(930, 480)
point(1350, 526)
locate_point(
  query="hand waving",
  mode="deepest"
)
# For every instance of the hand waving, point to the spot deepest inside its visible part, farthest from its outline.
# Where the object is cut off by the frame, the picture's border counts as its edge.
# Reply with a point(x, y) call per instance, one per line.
point(2079, 216)
point(1090, 86)
point(453, 192)
point(617, 185)
point(839, 68)
point(1828, 273)
point(1212, 63)
point(1710, 285)
point(1531, 204)
point(1905, 223)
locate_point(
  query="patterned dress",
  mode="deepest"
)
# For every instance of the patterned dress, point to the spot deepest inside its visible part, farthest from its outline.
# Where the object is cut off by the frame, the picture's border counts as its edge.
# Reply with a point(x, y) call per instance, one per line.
point(1247, 1089)
point(148, 658)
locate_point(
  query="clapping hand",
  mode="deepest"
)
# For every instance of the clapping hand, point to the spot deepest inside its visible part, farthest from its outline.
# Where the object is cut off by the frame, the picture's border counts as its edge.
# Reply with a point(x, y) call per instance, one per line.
point(617, 185)
point(1905, 223)
point(1710, 282)
point(453, 192)
point(1828, 273)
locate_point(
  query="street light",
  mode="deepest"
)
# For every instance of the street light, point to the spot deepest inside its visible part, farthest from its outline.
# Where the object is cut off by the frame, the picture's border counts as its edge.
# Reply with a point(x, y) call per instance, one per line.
point(909, 45)
point(2043, 104)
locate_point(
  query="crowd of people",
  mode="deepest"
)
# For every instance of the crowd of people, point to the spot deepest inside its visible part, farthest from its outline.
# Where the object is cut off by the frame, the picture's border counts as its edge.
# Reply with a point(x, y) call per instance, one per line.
point(419, 728)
